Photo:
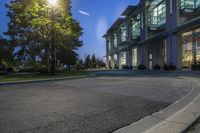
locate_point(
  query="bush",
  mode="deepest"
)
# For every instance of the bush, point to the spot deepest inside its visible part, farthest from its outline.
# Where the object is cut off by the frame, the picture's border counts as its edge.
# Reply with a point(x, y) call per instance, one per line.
point(195, 67)
point(27, 70)
point(141, 67)
point(10, 69)
point(131, 67)
point(116, 66)
point(169, 67)
point(125, 67)
point(43, 70)
point(2, 67)
point(157, 67)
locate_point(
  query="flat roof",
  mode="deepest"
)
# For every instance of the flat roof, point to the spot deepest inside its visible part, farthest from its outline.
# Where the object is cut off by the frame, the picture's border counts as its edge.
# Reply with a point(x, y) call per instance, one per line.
point(129, 10)
point(116, 23)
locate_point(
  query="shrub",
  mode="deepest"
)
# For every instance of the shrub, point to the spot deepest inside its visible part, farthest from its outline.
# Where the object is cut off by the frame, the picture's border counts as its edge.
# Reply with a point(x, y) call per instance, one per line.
point(116, 66)
point(195, 67)
point(141, 67)
point(169, 67)
point(125, 67)
point(131, 67)
point(43, 70)
point(2, 67)
point(10, 69)
point(27, 70)
point(157, 67)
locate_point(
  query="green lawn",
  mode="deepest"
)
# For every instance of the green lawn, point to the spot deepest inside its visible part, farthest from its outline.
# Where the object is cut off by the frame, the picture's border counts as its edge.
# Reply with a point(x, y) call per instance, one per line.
point(23, 77)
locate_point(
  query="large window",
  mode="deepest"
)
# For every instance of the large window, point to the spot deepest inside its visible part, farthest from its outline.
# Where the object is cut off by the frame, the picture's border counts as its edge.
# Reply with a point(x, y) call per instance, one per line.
point(197, 3)
point(123, 30)
point(156, 13)
point(109, 43)
point(122, 58)
point(115, 60)
point(115, 40)
point(189, 5)
point(191, 46)
point(134, 57)
point(135, 27)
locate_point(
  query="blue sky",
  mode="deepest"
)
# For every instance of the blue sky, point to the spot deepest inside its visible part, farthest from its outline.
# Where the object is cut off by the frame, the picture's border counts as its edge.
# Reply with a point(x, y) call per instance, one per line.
point(95, 17)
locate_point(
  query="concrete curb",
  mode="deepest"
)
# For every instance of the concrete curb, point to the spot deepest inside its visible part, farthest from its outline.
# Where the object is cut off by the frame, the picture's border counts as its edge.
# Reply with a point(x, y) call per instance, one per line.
point(41, 80)
point(176, 118)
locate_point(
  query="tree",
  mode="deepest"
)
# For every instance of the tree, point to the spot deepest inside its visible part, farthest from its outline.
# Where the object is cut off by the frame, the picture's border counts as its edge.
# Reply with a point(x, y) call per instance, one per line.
point(6, 54)
point(87, 62)
point(100, 63)
point(79, 64)
point(93, 61)
point(30, 27)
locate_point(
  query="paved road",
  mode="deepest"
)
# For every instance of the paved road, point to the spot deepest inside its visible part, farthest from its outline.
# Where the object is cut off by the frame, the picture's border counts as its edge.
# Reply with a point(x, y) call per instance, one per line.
point(90, 105)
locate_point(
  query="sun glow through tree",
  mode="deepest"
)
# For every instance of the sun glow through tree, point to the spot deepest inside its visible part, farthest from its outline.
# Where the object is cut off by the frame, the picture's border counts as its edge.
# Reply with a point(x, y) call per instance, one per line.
point(52, 2)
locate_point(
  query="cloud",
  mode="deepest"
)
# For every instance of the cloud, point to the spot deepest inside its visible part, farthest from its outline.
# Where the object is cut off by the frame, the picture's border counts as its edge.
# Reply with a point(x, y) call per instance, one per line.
point(102, 27)
point(84, 13)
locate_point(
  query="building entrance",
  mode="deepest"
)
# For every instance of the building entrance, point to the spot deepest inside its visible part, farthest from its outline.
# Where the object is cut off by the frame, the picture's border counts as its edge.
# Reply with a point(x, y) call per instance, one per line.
point(190, 48)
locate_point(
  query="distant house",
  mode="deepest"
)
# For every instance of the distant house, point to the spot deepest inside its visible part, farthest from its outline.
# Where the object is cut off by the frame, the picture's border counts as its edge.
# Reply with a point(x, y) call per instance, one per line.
point(155, 32)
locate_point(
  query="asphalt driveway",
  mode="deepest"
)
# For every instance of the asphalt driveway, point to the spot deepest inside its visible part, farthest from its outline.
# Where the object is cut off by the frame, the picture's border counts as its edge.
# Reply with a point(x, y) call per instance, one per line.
point(90, 105)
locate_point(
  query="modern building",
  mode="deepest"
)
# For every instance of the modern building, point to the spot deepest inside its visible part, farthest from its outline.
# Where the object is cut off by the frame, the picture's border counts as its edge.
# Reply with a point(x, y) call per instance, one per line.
point(155, 32)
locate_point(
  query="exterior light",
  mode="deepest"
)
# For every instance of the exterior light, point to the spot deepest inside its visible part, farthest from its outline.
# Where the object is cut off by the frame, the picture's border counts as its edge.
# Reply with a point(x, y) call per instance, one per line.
point(52, 2)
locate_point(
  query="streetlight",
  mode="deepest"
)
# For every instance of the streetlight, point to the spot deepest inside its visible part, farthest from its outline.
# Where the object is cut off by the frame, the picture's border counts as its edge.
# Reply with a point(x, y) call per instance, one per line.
point(53, 3)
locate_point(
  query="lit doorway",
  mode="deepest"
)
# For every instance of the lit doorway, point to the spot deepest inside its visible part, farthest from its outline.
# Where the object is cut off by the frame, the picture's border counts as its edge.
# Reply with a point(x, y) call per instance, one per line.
point(190, 48)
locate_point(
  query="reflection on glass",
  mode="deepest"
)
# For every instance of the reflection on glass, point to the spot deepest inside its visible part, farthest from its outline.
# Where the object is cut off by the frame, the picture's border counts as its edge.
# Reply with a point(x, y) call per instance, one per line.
point(187, 42)
point(134, 57)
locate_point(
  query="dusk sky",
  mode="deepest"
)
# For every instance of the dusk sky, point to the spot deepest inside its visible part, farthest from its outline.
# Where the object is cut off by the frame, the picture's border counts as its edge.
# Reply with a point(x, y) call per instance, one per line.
point(95, 17)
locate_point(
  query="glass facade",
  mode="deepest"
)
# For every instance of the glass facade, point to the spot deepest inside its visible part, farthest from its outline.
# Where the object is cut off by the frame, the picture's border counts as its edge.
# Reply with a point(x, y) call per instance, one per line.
point(197, 4)
point(156, 13)
point(190, 5)
point(115, 40)
point(135, 27)
point(134, 57)
point(109, 43)
point(115, 60)
point(122, 58)
point(123, 31)
point(190, 46)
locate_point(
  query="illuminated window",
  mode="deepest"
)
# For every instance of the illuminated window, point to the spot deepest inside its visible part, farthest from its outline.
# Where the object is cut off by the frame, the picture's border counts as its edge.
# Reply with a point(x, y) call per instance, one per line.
point(197, 3)
point(109, 43)
point(134, 57)
point(135, 27)
point(115, 40)
point(123, 58)
point(188, 43)
point(189, 5)
point(123, 30)
point(156, 13)
point(115, 59)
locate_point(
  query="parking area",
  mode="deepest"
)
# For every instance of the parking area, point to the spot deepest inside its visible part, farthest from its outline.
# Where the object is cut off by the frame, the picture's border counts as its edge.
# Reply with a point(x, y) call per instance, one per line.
point(89, 105)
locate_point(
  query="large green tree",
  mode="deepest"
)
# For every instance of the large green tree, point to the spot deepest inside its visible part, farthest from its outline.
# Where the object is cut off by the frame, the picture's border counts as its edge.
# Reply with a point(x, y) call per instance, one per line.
point(31, 25)
point(6, 54)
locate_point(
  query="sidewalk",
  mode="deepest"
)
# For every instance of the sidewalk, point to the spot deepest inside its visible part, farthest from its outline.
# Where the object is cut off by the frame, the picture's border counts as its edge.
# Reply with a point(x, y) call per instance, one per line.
point(195, 128)
point(42, 80)
point(176, 118)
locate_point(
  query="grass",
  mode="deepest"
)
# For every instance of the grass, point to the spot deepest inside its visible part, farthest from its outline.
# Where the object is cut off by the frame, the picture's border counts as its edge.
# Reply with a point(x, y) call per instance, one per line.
point(24, 77)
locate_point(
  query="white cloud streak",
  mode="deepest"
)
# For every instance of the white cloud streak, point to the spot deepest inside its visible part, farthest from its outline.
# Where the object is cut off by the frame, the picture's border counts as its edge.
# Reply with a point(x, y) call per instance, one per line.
point(84, 13)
